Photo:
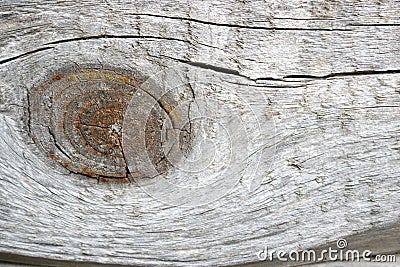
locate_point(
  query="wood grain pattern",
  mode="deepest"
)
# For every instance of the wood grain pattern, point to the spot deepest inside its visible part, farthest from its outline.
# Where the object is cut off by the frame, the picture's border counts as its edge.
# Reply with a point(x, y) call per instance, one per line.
point(327, 74)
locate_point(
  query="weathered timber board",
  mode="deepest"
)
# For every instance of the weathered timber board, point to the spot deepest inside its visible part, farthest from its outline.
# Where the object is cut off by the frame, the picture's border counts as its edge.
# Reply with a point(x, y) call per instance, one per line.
point(327, 73)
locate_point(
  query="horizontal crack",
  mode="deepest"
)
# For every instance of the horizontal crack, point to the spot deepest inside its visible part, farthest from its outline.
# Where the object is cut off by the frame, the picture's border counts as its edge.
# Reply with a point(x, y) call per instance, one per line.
point(111, 36)
point(92, 37)
point(24, 54)
point(221, 69)
point(212, 67)
point(374, 25)
point(239, 26)
point(283, 79)
point(343, 74)
point(209, 67)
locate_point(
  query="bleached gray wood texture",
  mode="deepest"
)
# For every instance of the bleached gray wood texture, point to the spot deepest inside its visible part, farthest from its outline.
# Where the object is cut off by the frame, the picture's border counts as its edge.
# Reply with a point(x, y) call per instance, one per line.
point(327, 73)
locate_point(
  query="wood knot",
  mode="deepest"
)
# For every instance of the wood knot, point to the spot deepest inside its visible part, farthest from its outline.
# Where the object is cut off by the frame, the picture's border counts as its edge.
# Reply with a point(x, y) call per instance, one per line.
point(76, 118)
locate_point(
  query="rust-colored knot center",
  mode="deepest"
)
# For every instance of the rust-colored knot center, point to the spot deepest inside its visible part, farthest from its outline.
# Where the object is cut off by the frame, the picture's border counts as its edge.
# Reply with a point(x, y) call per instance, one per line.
point(76, 118)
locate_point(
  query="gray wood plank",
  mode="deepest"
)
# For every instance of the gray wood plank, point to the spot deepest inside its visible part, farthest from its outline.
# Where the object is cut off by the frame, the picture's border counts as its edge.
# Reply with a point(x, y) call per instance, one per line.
point(322, 78)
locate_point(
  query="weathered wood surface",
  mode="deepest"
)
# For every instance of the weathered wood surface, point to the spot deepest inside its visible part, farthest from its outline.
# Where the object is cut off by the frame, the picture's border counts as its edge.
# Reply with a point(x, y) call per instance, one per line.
point(326, 72)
